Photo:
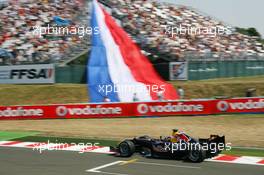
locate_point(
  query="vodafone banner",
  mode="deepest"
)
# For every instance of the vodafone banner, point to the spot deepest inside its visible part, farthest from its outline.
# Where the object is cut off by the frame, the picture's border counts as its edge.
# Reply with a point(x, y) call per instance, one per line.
point(239, 105)
point(66, 111)
point(111, 110)
point(173, 108)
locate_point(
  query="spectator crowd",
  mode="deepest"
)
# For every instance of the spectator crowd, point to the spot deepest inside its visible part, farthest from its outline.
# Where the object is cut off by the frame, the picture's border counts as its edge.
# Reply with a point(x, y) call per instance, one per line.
point(19, 45)
point(149, 21)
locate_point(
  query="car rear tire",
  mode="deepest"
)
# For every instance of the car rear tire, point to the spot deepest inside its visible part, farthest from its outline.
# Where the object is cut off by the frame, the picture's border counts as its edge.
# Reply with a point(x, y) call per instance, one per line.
point(126, 148)
point(197, 155)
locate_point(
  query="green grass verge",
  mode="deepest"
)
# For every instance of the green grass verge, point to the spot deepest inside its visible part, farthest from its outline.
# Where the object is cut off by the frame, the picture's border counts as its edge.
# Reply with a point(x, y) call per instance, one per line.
point(245, 152)
point(5, 135)
point(77, 93)
point(230, 87)
point(233, 151)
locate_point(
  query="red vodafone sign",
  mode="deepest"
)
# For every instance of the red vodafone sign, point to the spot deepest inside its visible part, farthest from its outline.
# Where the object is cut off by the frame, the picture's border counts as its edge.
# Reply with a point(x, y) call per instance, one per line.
point(242, 105)
point(92, 110)
point(111, 110)
point(21, 112)
point(173, 108)
point(65, 111)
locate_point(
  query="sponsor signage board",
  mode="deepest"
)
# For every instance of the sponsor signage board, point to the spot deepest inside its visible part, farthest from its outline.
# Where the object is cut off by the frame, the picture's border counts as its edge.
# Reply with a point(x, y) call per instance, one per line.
point(239, 105)
point(178, 70)
point(27, 74)
point(111, 110)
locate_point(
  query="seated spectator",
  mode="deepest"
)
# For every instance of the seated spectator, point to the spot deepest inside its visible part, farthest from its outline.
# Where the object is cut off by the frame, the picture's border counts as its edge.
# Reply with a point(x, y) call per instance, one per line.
point(148, 22)
point(17, 21)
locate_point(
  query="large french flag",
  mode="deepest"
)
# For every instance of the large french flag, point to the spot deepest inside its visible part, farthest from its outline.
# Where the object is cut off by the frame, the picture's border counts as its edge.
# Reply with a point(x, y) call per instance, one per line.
point(116, 68)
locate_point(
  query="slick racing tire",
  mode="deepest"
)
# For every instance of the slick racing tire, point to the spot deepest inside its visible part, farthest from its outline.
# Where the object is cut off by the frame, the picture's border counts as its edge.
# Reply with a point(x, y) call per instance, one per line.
point(126, 148)
point(197, 155)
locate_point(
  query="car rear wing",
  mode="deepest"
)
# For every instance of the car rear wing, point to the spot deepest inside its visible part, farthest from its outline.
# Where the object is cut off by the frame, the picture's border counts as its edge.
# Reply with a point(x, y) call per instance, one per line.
point(215, 144)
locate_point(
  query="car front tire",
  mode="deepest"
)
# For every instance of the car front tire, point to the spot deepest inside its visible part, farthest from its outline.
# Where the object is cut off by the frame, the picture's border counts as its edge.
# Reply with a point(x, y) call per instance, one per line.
point(126, 148)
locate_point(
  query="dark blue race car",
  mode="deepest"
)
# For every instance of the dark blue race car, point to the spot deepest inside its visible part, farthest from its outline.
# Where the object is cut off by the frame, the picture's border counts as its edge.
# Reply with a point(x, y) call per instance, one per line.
point(183, 148)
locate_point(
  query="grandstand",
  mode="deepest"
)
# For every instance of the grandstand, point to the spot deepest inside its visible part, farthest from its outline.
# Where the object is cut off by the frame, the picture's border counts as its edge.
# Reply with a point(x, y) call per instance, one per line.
point(145, 21)
point(17, 20)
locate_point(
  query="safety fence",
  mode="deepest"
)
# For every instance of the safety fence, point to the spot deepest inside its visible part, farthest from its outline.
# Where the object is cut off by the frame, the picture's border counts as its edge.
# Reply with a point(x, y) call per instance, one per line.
point(192, 70)
point(195, 70)
point(199, 70)
point(135, 109)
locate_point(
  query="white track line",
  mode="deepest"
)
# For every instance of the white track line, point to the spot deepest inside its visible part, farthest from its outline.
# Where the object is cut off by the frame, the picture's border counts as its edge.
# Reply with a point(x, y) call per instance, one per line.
point(167, 165)
point(102, 172)
point(96, 169)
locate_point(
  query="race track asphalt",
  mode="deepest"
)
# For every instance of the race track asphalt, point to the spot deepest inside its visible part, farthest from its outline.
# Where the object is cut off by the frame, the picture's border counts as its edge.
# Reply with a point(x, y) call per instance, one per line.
point(21, 161)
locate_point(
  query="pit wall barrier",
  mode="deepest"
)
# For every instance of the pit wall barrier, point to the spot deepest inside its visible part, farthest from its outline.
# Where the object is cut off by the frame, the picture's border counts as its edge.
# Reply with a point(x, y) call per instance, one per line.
point(135, 109)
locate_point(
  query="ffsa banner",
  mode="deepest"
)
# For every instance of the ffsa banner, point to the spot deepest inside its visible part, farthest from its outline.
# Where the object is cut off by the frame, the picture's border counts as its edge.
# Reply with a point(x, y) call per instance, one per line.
point(27, 74)
point(178, 70)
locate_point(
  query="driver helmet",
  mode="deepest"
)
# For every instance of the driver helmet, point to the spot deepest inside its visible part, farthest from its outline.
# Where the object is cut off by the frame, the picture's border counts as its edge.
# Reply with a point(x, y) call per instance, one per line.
point(175, 132)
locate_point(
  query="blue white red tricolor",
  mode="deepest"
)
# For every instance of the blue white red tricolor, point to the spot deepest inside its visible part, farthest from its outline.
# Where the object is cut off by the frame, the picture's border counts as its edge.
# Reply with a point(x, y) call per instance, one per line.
point(116, 61)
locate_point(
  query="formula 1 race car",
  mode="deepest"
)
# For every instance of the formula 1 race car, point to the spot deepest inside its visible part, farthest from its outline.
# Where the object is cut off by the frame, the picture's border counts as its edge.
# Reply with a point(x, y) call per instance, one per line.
point(183, 148)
